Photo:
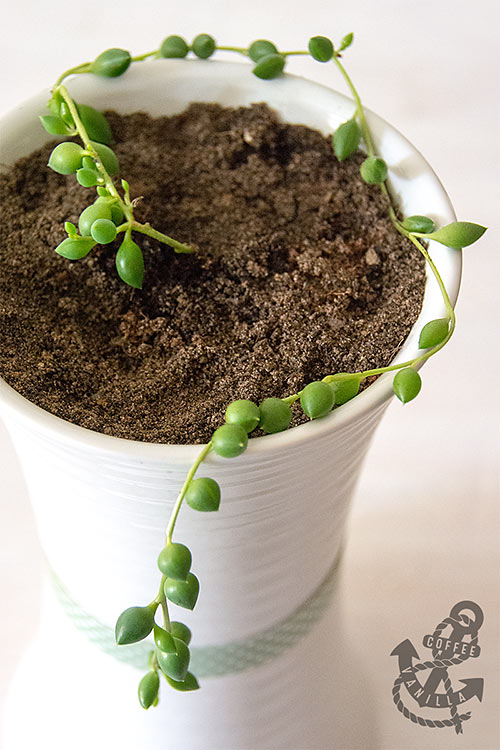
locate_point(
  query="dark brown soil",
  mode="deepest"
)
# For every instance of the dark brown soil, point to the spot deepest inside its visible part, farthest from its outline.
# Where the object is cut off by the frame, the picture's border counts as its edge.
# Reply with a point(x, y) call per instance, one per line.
point(299, 274)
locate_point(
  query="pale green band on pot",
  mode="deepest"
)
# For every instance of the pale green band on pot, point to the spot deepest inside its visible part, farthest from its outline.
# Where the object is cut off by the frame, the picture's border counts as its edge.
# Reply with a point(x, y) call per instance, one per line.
point(211, 661)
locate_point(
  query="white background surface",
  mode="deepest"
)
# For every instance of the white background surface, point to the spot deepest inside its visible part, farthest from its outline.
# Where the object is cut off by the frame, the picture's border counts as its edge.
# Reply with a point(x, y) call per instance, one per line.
point(424, 530)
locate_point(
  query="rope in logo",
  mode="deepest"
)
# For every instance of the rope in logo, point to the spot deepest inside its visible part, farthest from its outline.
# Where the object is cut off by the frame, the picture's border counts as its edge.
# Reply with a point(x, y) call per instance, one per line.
point(458, 621)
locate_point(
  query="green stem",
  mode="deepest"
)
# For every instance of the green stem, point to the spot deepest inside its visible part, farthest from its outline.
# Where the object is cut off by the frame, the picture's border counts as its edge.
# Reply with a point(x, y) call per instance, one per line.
point(365, 130)
point(295, 52)
point(240, 50)
point(82, 68)
point(179, 247)
point(140, 58)
point(194, 468)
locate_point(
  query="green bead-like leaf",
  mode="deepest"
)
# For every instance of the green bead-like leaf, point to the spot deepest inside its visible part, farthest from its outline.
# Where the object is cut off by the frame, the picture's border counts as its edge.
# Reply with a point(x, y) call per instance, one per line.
point(148, 689)
point(275, 415)
point(406, 384)
point(54, 103)
point(65, 114)
point(87, 177)
point(108, 157)
point(189, 683)
point(117, 215)
point(229, 441)
point(66, 158)
point(75, 248)
point(175, 665)
point(174, 561)
point(346, 41)
point(70, 228)
point(98, 210)
point(111, 63)
point(458, 234)
point(164, 640)
point(203, 494)
point(183, 593)
point(203, 46)
point(321, 48)
point(174, 46)
point(133, 625)
point(418, 224)
point(269, 66)
point(346, 139)
point(179, 630)
point(103, 231)
point(244, 413)
point(261, 48)
point(54, 125)
point(373, 170)
point(316, 399)
point(433, 333)
point(345, 388)
point(130, 263)
point(95, 124)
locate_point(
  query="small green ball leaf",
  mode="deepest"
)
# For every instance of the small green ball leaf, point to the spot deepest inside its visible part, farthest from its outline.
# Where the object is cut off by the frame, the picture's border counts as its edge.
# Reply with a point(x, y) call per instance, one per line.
point(75, 248)
point(344, 389)
point(183, 593)
point(203, 46)
point(229, 441)
point(418, 224)
point(346, 139)
point(70, 229)
point(148, 689)
point(261, 48)
point(269, 66)
point(174, 46)
point(275, 415)
point(87, 177)
point(373, 170)
point(189, 683)
point(175, 665)
point(321, 48)
point(102, 192)
point(458, 234)
point(95, 124)
point(203, 494)
point(133, 625)
point(108, 157)
point(174, 561)
point(346, 41)
point(54, 103)
point(65, 114)
point(244, 413)
point(91, 214)
point(89, 163)
point(117, 215)
point(103, 231)
point(406, 384)
point(54, 125)
point(111, 63)
point(433, 333)
point(66, 158)
point(130, 263)
point(179, 630)
point(164, 640)
point(316, 399)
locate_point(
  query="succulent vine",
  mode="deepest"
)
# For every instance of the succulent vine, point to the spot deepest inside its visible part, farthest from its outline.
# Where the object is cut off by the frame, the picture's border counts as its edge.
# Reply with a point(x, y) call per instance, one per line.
point(112, 213)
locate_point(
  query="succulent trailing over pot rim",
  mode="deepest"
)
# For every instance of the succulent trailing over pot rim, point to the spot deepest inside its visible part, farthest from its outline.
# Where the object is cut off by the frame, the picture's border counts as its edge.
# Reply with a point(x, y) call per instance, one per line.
point(112, 214)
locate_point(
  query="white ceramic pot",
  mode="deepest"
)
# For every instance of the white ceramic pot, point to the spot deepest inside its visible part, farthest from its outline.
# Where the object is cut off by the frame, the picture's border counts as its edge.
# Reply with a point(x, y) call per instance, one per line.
point(102, 503)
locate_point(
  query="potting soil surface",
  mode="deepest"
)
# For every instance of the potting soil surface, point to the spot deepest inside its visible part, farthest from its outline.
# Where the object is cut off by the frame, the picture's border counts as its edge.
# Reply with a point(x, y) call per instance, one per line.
point(298, 274)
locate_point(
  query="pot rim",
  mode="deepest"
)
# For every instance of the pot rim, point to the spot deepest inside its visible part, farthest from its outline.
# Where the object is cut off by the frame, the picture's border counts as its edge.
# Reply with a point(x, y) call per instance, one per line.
point(373, 397)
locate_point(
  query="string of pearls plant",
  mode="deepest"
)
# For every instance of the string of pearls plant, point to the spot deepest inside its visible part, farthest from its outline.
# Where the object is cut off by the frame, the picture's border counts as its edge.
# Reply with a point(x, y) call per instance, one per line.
point(95, 164)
